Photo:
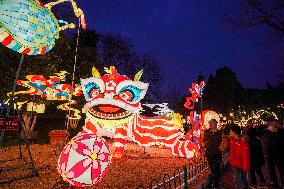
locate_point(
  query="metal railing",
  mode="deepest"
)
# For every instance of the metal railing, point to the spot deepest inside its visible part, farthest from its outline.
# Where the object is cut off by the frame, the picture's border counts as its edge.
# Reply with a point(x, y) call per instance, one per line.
point(191, 173)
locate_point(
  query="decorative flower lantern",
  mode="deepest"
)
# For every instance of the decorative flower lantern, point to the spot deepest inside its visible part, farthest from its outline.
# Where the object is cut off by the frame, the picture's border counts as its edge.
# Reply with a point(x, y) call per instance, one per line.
point(84, 160)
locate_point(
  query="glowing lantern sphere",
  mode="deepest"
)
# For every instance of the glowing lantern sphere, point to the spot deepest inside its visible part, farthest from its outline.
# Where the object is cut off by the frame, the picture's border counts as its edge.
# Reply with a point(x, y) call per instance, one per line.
point(84, 160)
point(207, 116)
point(29, 27)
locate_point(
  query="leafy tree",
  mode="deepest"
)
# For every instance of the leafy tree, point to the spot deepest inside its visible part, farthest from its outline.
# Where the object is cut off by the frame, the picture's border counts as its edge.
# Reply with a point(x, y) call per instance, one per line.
point(152, 75)
point(87, 53)
point(209, 93)
point(263, 98)
point(8, 66)
point(115, 50)
point(253, 13)
point(223, 91)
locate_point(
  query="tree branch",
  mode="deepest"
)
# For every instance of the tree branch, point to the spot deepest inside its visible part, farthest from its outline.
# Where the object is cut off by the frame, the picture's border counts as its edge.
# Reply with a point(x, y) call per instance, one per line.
point(273, 25)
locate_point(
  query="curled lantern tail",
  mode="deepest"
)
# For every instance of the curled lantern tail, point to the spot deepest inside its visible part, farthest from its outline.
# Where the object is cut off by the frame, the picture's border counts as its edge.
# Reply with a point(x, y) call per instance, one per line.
point(148, 132)
point(186, 149)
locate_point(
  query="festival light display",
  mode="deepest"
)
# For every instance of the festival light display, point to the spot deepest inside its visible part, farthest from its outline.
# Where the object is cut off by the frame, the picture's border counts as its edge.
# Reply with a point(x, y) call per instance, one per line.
point(52, 89)
point(113, 104)
point(159, 109)
point(196, 92)
point(162, 110)
point(178, 121)
point(242, 117)
point(113, 109)
point(281, 106)
point(193, 119)
point(17, 105)
point(29, 27)
point(68, 106)
point(84, 160)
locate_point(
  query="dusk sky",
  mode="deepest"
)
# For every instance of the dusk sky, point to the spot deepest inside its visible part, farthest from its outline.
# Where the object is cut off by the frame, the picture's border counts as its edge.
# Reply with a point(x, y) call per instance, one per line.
point(188, 37)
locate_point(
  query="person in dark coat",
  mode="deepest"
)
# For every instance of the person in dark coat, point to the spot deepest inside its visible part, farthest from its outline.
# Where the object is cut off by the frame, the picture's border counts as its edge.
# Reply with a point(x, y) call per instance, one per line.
point(264, 134)
point(256, 157)
point(276, 151)
point(211, 140)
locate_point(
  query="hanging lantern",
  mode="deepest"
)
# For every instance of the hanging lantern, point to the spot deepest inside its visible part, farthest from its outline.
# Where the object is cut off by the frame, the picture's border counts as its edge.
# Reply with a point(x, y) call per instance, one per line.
point(38, 108)
point(84, 160)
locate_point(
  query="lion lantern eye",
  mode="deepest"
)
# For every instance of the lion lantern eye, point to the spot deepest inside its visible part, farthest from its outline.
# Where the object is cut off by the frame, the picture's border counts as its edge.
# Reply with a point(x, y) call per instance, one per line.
point(131, 91)
point(94, 93)
point(92, 87)
point(92, 90)
point(126, 95)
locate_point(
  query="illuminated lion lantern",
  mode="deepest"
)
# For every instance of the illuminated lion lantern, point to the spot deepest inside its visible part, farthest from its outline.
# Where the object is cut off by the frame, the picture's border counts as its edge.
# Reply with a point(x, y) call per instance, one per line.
point(113, 105)
point(113, 110)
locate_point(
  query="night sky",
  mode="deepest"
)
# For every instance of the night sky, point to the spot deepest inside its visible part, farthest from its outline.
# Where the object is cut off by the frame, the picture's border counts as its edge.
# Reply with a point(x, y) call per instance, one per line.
point(188, 37)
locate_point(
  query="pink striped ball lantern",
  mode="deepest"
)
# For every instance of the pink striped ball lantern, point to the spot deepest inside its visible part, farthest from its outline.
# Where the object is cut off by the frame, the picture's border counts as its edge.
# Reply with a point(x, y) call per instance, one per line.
point(84, 160)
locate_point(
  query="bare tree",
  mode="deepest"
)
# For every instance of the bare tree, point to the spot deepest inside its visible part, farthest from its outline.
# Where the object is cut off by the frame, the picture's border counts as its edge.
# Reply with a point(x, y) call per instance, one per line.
point(259, 12)
point(254, 13)
point(115, 50)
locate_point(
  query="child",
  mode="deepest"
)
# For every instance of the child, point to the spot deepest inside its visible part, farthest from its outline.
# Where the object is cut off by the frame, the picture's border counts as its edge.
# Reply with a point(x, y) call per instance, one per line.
point(239, 157)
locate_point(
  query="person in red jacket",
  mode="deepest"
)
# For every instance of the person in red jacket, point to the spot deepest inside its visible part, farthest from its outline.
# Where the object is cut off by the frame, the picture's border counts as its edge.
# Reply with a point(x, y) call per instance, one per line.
point(239, 157)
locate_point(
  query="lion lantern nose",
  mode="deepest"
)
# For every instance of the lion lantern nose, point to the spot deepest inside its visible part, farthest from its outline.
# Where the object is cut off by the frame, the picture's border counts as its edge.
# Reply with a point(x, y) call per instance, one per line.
point(109, 95)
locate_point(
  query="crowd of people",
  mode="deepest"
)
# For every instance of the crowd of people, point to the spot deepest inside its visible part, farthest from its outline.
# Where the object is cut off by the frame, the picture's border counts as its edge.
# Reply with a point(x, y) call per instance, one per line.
point(254, 150)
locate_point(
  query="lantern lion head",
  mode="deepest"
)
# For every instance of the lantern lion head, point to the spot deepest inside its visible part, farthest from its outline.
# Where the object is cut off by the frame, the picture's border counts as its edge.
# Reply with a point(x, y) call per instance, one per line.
point(113, 96)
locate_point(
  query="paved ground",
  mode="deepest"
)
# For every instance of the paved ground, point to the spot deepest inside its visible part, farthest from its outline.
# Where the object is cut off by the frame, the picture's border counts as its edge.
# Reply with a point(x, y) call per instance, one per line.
point(226, 180)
